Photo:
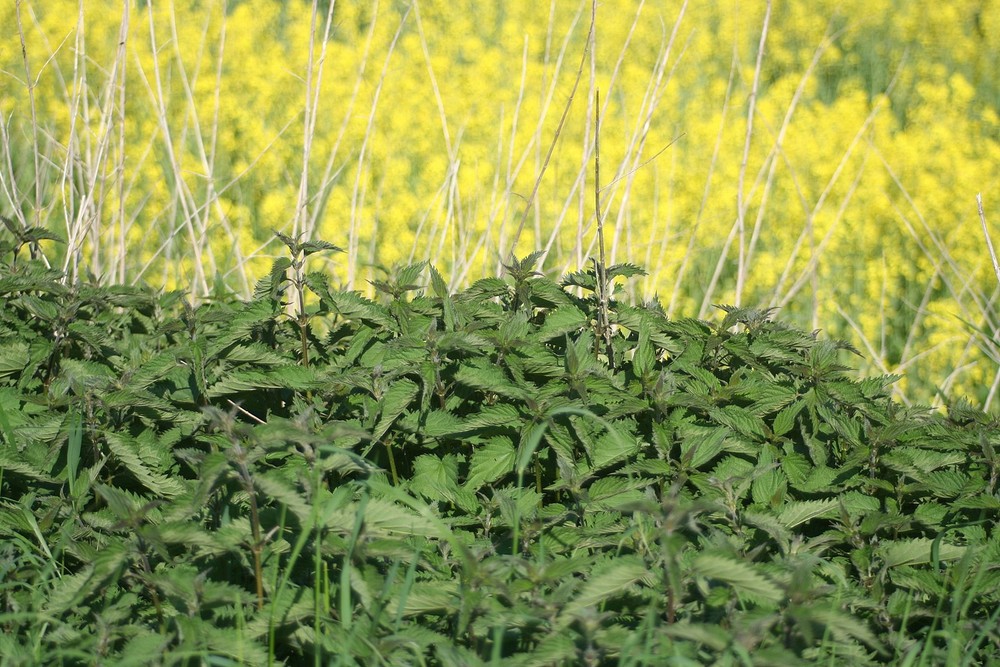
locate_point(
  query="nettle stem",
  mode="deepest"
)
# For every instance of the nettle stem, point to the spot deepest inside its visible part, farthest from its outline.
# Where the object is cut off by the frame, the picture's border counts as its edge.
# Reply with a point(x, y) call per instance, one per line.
point(603, 319)
point(302, 318)
point(257, 542)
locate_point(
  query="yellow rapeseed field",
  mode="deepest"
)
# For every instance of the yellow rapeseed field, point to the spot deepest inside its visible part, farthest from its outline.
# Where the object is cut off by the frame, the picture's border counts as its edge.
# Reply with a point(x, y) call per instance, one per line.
point(832, 172)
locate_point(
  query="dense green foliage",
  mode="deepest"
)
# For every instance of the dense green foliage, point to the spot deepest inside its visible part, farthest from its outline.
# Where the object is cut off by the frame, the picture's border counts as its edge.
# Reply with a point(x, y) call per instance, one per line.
point(488, 477)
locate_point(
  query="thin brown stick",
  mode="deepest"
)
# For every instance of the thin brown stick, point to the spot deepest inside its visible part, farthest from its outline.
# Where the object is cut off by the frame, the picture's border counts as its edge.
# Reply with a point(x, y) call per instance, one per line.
point(741, 204)
point(995, 386)
point(358, 194)
point(34, 115)
point(603, 318)
point(986, 232)
point(555, 137)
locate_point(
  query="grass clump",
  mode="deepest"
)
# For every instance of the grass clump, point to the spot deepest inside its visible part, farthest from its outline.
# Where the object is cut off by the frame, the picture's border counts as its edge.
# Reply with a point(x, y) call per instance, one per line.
point(471, 478)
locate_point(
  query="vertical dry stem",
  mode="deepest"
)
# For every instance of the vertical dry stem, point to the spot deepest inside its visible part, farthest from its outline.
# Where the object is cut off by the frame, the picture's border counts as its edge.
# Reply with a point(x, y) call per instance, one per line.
point(34, 115)
point(603, 320)
point(555, 138)
point(741, 205)
point(986, 232)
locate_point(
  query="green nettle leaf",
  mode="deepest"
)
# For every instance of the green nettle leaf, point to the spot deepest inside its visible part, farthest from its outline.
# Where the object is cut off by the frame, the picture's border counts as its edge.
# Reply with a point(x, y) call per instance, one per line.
point(438, 284)
point(743, 577)
point(68, 591)
point(624, 270)
point(13, 461)
point(924, 581)
point(434, 477)
point(252, 353)
point(798, 512)
point(293, 244)
point(13, 358)
point(268, 288)
point(843, 626)
point(740, 420)
point(769, 488)
point(500, 414)
point(81, 375)
point(283, 377)
point(711, 636)
point(491, 461)
point(644, 358)
point(615, 492)
point(546, 293)
point(382, 519)
point(396, 399)
point(796, 467)
point(44, 310)
point(275, 485)
point(129, 452)
point(768, 396)
point(426, 597)
point(770, 525)
point(434, 424)
point(608, 449)
point(487, 377)
point(855, 503)
point(733, 470)
point(123, 505)
point(980, 502)
point(608, 580)
point(561, 321)
point(820, 479)
point(316, 245)
point(918, 551)
point(699, 445)
point(948, 483)
point(784, 421)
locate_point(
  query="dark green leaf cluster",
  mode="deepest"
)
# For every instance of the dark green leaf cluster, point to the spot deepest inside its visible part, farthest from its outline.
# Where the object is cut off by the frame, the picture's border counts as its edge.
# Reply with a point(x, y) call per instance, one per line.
point(471, 478)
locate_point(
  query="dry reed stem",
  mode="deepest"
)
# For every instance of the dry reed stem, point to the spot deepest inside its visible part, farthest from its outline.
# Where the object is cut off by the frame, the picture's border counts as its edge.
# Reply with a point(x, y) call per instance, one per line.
point(633, 150)
point(777, 149)
point(808, 274)
point(644, 118)
point(301, 224)
point(555, 138)
point(986, 233)
point(182, 196)
point(451, 186)
point(943, 255)
point(34, 116)
point(85, 167)
point(693, 236)
point(210, 199)
point(741, 204)
point(358, 193)
point(603, 325)
point(995, 385)
point(120, 215)
point(329, 174)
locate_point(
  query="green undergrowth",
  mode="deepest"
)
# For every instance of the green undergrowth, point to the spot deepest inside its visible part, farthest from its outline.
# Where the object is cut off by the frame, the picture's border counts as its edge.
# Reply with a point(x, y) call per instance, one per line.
point(492, 477)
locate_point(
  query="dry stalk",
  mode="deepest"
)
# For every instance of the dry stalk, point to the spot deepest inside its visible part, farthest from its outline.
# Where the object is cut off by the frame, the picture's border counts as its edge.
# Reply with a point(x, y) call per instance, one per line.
point(995, 386)
point(358, 194)
point(34, 115)
point(986, 233)
point(603, 318)
point(559, 127)
point(741, 204)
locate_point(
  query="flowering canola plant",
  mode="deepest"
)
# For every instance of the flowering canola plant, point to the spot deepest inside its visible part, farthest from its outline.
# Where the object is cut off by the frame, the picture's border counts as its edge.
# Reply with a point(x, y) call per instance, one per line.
point(818, 157)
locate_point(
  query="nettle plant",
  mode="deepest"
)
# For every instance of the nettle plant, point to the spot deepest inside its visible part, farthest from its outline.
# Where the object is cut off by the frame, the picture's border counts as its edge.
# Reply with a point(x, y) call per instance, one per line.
point(527, 472)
